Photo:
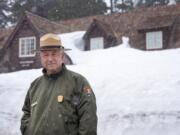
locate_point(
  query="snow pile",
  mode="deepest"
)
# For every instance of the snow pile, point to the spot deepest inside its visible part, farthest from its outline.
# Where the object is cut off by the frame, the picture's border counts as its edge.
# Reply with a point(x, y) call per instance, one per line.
point(137, 92)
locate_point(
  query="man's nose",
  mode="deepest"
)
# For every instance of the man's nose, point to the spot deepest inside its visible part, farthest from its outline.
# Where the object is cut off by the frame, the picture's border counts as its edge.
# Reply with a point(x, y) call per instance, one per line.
point(50, 58)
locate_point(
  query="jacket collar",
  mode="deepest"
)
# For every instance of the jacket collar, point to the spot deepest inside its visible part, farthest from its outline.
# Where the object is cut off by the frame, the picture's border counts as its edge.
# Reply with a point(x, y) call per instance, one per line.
point(54, 76)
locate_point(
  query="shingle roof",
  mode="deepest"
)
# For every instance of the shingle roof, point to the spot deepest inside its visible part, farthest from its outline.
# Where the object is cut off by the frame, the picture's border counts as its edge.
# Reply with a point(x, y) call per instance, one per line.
point(105, 27)
point(79, 24)
point(128, 23)
point(39, 24)
point(44, 25)
point(157, 22)
point(4, 34)
point(119, 24)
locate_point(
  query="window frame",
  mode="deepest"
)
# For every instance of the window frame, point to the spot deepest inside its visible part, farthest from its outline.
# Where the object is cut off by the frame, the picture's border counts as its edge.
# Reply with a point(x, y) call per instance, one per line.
point(156, 37)
point(96, 38)
point(20, 46)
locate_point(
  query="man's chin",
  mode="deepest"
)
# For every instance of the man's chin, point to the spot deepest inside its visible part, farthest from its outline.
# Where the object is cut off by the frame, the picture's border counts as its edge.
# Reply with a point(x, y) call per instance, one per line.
point(52, 71)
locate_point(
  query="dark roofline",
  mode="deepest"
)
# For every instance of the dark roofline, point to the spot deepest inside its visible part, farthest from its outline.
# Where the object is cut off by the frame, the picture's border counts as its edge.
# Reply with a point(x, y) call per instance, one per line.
point(22, 19)
point(156, 24)
point(10, 38)
point(98, 23)
point(5, 33)
point(42, 18)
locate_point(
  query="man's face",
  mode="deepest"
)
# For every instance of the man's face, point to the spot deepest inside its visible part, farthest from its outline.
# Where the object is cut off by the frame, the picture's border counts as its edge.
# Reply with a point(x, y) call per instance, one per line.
point(52, 60)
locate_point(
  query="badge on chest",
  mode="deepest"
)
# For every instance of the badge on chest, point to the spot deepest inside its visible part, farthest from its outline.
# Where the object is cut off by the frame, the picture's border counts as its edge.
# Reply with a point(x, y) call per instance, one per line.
point(60, 98)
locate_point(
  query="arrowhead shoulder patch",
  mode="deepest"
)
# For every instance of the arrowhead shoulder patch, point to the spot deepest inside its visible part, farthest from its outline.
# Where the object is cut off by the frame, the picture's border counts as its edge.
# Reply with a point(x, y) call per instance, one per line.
point(87, 90)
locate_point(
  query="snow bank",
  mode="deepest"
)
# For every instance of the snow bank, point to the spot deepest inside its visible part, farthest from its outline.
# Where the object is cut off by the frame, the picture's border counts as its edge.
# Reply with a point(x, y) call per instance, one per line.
point(137, 92)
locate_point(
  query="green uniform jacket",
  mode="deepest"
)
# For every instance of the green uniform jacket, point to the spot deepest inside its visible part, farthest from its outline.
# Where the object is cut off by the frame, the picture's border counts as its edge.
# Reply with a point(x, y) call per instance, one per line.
point(60, 104)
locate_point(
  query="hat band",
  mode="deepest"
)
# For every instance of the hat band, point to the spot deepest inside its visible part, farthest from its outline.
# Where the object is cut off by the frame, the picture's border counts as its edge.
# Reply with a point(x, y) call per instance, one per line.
point(49, 47)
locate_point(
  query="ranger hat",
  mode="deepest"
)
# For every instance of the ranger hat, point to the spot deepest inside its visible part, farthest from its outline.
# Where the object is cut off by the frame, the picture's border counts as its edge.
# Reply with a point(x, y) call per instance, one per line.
point(50, 41)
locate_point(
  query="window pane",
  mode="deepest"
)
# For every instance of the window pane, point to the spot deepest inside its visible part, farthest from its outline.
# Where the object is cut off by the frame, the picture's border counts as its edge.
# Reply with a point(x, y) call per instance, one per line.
point(22, 49)
point(158, 40)
point(154, 40)
point(27, 45)
point(23, 42)
point(97, 43)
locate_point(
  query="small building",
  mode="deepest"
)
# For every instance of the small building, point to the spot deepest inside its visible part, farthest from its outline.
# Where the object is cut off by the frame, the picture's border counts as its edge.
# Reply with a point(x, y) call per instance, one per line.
point(153, 28)
point(160, 32)
point(17, 50)
point(99, 35)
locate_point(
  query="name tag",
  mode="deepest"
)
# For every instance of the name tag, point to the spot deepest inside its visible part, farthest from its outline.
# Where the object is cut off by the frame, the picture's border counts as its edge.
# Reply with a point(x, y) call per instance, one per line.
point(60, 98)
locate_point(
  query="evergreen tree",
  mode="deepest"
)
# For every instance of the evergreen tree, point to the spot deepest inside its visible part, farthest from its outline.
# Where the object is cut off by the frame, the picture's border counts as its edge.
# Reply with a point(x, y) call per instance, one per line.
point(4, 13)
point(147, 3)
point(67, 9)
point(58, 9)
point(123, 5)
point(39, 7)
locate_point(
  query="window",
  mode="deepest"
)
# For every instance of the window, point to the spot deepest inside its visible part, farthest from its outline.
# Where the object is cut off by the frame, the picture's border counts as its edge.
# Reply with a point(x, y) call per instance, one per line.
point(26, 46)
point(96, 43)
point(154, 40)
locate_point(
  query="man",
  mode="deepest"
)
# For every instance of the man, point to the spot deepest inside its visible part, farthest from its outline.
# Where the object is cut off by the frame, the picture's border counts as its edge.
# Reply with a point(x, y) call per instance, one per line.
point(60, 102)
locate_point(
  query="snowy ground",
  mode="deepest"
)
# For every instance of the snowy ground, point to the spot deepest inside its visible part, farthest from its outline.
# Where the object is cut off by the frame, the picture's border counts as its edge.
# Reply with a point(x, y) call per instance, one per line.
point(137, 92)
